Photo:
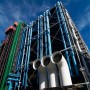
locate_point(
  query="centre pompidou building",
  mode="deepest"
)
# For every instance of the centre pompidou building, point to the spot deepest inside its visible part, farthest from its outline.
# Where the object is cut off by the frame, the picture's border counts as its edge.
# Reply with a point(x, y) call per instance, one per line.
point(48, 54)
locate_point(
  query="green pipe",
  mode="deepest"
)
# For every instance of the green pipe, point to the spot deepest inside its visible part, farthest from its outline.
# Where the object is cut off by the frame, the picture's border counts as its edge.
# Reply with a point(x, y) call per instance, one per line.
point(11, 57)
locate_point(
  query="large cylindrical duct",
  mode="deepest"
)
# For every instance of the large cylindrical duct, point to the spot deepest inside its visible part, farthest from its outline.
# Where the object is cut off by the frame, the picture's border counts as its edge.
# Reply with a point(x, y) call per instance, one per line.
point(52, 71)
point(64, 73)
point(43, 79)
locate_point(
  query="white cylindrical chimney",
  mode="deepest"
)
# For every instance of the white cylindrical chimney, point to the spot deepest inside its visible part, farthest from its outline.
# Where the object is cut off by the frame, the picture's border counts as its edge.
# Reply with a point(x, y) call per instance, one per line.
point(43, 78)
point(64, 74)
point(52, 71)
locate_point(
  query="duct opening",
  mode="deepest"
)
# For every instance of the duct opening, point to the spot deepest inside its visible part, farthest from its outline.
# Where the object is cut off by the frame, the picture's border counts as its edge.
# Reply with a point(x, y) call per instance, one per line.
point(37, 64)
point(46, 61)
point(57, 57)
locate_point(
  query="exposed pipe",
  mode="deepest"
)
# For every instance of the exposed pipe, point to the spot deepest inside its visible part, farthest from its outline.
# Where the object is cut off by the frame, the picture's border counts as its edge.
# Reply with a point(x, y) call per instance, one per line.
point(20, 52)
point(24, 83)
point(22, 61)
point(51, 68)
point(59, 6)
point(18, 63)
point(41, 36)
point(29, 39)
point(38, 40)
point(43, 78)
point(42, 73)
point(29, 36)
point(45, 34)
point(64, 43)
point(9, 85)
point(64, 74)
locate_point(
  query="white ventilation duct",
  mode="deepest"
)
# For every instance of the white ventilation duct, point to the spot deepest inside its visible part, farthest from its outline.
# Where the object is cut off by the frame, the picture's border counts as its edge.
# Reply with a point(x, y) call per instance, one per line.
point(64, 74)
point(43, 78)
point(52, 71)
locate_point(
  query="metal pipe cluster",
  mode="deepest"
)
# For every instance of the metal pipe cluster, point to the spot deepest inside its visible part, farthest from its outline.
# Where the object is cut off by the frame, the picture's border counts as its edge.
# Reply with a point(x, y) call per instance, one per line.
point(48, 44)
point(53, 80)
point(48, 73)
point(6, 47)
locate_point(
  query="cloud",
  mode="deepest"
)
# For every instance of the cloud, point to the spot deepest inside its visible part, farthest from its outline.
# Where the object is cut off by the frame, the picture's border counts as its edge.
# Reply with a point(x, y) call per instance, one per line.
point(35, 8)
point(3, 18)
point(84, 20)
point(68, 2)
point(26, 10)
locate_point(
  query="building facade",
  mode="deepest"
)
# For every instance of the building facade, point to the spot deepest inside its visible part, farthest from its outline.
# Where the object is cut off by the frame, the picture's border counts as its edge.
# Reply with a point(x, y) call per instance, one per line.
point(47, 54)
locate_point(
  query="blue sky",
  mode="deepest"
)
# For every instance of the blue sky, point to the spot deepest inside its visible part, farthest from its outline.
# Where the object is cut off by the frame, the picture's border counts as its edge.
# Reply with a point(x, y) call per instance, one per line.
point(29, 10)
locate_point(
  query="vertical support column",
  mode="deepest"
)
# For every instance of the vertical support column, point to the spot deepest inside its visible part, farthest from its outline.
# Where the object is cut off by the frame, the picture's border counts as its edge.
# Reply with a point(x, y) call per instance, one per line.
point(22, 61)
point(38, 41)
point(20, 53)
point(19, 56)
point(11, 57)
point(48, 33)
point(28, 58)
point(10, 85)
point(29, 28)
point(45, 34)
point(24, 84)
point(41, 37)
point(42, 74)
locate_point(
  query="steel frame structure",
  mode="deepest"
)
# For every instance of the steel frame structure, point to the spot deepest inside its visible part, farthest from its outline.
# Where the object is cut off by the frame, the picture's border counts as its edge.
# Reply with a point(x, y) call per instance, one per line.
point(51, 32)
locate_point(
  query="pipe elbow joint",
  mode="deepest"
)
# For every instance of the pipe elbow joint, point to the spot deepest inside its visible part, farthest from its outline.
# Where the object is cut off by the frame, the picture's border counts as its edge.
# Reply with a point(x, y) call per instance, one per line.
point(56, 57)
point(36, 64)
point(45, 61)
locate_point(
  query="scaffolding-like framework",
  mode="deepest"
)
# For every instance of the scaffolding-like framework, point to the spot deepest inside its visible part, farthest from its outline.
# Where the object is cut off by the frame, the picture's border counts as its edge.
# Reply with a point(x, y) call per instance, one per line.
point(51, 32)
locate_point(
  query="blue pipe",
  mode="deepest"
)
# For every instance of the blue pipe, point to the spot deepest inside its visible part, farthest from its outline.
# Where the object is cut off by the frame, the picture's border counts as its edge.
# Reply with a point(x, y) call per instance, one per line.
point(39, 41)
point(27, 56)
point(23, 59)
point(20, 52)
point(38, 53)
point(45, 34)
point(12, 78)
point(18, 59)
point(67, 37)
point(41, 37)
point(15, 77)
point(20, 55)
point(62, 35)
point(10, 85)
point(24, 75)
point(49, 49)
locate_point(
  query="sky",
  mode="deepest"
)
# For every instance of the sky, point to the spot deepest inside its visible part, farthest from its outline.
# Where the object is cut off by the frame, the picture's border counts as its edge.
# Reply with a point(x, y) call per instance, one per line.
point(29, 10)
